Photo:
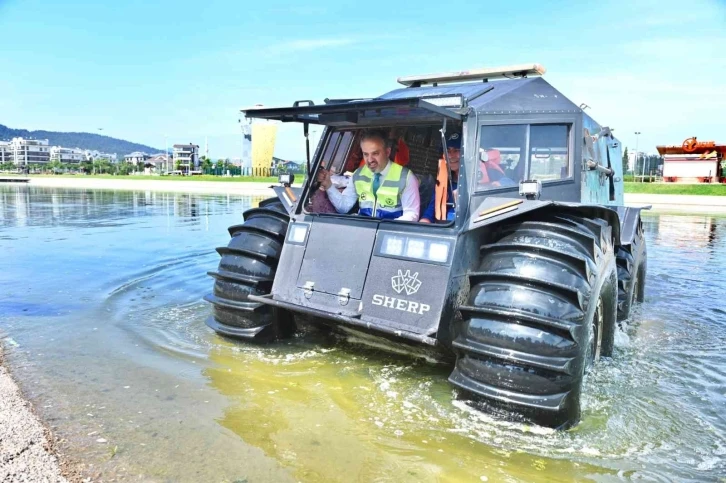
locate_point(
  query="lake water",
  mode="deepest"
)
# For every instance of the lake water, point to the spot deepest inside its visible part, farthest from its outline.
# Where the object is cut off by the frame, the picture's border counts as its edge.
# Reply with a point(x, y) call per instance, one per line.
point(102, 320)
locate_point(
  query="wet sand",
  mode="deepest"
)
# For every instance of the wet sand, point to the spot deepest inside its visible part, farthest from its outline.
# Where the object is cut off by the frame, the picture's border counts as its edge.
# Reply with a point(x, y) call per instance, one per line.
point(26, 446)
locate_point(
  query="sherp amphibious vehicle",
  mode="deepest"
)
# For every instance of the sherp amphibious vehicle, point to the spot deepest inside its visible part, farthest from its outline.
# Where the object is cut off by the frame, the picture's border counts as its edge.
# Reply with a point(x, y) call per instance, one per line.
point(521, 286)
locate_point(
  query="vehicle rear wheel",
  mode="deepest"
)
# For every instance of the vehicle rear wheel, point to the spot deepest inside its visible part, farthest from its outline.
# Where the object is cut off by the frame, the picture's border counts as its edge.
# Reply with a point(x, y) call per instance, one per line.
point(632, 262)
point(248, 266)
point(541, 309)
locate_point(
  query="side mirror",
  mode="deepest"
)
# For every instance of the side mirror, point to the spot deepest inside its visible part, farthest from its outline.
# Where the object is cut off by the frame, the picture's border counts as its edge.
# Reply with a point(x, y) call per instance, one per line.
point(286, 179)
point(483, 155)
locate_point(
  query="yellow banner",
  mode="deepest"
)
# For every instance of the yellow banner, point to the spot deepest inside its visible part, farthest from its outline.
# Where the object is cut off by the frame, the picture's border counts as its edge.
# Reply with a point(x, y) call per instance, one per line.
point(263, 144)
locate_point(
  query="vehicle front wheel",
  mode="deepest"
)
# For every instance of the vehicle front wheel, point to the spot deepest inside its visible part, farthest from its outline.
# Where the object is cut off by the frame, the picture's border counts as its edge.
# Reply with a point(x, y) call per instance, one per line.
point(248, 266)
point(541, 310)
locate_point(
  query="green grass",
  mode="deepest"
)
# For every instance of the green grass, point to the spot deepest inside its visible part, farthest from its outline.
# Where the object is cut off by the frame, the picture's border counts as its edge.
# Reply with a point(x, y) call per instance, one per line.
point(676, 189)
point(240, 179)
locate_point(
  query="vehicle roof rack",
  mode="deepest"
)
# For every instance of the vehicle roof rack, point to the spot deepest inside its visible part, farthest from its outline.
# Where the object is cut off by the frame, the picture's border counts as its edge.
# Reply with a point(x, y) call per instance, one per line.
point(508, 72)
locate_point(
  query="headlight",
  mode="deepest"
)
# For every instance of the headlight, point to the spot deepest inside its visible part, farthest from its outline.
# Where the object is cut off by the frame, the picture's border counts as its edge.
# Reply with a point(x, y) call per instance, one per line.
point(419, 248)
point(415, 248)
point(438, 252)
point(297, 233)
point(393, 245)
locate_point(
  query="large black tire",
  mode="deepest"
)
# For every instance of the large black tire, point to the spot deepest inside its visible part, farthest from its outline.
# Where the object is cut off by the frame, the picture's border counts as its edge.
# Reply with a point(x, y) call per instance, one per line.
point(541, 309)
point(248, 266)
point(632, 261)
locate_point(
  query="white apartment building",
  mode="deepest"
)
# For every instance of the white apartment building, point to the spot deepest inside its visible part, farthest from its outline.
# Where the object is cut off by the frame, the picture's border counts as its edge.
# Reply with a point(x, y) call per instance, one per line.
point(67, 155)
point(186, 156)
point(137, 157)
point(23, 152)
point(157, 164)
point(92, 155)
point(5, 152)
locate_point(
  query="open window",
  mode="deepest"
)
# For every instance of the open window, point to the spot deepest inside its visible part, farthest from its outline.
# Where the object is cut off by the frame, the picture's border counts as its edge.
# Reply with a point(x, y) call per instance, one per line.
point(417, 147)
point(515, 152)
point(412, 128)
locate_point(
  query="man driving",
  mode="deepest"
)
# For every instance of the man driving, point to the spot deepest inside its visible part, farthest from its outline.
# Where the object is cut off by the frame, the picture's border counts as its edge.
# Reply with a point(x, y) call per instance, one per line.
point(383, 189)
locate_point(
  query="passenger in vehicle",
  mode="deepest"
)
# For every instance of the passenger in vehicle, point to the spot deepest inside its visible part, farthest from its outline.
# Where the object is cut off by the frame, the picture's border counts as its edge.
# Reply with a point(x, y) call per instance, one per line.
point(491, 174)
point(383, 189)
point(441, 207)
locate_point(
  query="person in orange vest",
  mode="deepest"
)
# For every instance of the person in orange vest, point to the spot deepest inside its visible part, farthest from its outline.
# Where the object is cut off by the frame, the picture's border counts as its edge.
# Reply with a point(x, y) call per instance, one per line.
point(491, 174)
point(441, 207)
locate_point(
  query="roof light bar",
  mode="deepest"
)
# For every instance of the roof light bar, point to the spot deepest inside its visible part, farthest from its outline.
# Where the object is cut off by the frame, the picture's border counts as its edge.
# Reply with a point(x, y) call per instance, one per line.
point(520, 70)
point(445, 101)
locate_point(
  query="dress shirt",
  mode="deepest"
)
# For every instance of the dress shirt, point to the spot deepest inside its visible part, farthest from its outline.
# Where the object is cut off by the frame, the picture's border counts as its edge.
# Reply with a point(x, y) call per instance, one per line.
point(410, 200)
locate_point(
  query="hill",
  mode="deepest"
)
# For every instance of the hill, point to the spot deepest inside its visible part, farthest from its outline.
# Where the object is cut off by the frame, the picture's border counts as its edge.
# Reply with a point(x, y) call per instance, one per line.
point(82, 140)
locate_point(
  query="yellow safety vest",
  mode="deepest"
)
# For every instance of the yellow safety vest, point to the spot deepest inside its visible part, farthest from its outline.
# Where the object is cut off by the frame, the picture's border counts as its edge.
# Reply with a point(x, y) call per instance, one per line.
point(386, 203)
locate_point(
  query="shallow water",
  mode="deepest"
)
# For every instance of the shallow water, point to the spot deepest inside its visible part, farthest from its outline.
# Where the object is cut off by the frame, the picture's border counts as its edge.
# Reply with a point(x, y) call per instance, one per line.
point(103, 323)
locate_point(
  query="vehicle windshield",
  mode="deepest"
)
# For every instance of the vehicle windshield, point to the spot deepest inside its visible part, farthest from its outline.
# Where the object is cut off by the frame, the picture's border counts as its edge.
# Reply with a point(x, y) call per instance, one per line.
point(418, 149)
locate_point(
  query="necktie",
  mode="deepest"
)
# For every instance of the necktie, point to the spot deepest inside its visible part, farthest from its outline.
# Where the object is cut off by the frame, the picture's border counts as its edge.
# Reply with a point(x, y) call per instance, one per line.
point(376, 183)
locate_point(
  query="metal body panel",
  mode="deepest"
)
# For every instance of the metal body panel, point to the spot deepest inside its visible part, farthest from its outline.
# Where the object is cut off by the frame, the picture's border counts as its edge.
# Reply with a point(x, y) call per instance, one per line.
point(351, 113)
point(629, 220)
point(342, 251)
point(288, 195)
point(605, 151)
point(408, 292)
point(343, 319)
point(482, 204)
point(337, 255)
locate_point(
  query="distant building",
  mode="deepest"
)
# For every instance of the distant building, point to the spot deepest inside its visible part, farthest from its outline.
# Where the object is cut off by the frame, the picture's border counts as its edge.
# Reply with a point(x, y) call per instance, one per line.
point(67, 155)
point(157, 164)
point(186, 157)
point(5, 152)
point(288, 166)
point(694, 162)
point(23, 152)
point(93, 155)
point(137, 157)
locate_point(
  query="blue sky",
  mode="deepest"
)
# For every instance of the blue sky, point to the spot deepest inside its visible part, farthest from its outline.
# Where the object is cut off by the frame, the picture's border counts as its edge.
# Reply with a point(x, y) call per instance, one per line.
point(181, 69)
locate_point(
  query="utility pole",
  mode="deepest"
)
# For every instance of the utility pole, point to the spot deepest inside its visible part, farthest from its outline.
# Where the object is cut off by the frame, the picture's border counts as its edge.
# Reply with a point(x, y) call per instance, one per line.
point(637, 133)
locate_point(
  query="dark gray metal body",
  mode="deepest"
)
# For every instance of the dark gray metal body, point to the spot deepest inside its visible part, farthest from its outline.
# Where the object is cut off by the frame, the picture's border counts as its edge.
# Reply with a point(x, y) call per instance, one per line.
point(348, 283)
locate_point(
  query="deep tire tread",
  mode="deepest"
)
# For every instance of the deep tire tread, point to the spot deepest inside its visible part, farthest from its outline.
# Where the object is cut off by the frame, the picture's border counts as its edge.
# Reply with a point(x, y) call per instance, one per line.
point(532, 353)
point(247, 266)
point(629, 260)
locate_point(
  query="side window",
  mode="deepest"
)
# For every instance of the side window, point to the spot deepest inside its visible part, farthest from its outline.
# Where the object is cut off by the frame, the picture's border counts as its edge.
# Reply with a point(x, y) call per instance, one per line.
point(506, 147)
point(549, 152)
point(336, 150)
point(341, 153)
point(330, 149)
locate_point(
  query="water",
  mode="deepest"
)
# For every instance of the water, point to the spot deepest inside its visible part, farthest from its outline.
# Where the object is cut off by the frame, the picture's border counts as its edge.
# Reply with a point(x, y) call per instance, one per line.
point(103, 323)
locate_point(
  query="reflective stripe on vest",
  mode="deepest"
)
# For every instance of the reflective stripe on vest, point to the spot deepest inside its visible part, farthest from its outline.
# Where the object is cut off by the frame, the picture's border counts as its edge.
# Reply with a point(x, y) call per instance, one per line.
point(387, 202)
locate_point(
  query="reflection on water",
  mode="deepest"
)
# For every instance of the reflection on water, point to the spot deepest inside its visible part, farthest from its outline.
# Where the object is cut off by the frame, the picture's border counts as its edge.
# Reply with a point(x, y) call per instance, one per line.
point(102, 293)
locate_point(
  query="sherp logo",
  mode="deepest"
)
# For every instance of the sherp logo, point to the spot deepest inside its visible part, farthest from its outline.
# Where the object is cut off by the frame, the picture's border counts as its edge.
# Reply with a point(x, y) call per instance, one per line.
point(406, 281)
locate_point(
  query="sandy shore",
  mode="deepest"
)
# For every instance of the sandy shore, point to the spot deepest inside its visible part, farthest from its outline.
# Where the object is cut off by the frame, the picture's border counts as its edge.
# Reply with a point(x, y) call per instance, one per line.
point(679, 203)
point(665, 203)
point(220, 187)
point(26, 451)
